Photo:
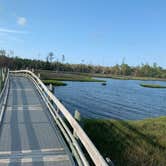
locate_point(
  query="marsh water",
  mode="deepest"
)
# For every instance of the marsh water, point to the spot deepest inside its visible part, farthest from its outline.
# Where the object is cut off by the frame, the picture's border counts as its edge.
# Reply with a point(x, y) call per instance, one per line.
point(119, 99)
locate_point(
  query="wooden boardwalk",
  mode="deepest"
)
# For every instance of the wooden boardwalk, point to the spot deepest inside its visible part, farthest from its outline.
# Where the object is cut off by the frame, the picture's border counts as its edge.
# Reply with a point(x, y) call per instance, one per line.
point(37, 130)
point(28, 134)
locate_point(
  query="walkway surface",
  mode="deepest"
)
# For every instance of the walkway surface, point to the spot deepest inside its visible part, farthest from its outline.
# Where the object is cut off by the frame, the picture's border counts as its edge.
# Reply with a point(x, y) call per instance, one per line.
point(28, 135)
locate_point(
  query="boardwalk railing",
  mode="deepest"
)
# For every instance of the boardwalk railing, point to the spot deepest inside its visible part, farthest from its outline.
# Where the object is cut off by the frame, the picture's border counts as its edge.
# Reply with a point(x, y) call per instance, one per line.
point(78, 142)
point(4, 89)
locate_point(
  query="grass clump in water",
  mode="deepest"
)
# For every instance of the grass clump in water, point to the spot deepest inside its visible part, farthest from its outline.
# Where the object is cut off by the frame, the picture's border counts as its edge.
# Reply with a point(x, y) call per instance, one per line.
point(152, 86)
point(64, 76)
point(54, 82)
point(130, 143)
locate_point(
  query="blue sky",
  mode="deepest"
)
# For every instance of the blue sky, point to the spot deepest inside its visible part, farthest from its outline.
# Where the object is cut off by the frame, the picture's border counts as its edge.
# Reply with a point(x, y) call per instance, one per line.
point(97, 31)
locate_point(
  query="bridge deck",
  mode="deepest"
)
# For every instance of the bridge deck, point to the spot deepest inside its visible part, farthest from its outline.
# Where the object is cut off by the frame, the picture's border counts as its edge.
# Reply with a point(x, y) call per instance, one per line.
point(28, 135)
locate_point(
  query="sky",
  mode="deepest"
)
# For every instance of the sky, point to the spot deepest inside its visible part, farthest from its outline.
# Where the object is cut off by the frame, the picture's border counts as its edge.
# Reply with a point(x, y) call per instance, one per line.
point(98, 32)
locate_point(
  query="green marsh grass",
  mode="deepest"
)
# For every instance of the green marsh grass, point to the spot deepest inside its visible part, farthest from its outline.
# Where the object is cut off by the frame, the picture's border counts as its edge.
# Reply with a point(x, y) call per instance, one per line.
point(54, 82)
point(130, 143)
point(152, 86)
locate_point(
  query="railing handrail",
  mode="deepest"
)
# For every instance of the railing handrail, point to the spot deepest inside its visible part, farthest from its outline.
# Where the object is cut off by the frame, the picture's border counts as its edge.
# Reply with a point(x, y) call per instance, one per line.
point(87, 143)
point(2, 93)
point(4, 86)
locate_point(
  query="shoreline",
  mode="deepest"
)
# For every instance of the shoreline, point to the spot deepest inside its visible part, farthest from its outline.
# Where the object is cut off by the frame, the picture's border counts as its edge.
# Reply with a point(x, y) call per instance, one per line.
point(88, 77)
point(132, 78)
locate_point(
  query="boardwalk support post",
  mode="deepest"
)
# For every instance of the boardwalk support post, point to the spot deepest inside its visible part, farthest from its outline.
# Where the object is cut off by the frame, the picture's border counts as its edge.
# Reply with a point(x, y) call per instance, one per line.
point(110, 163)
point(38, 75)
point(77, 117)
point(51, 88)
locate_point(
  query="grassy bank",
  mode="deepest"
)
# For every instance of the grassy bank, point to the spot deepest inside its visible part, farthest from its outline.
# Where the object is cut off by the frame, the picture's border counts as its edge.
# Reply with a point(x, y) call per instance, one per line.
point(130, 143)
point(88, 77)
point(61, 76)
point(128, 77)
point(137, 78)
point(54, 82)
point(152, 86)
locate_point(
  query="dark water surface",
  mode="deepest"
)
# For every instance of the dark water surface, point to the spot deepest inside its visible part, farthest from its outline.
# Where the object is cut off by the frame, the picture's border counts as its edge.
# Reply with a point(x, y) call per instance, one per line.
point(119, 99)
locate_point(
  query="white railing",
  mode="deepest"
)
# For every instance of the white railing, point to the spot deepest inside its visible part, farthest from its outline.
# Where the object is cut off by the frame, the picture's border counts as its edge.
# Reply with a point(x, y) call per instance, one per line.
point(4, 95)
point(59, 112)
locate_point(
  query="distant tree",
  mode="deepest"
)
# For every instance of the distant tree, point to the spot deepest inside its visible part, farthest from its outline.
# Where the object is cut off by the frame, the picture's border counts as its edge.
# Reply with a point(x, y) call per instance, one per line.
point(51, 57)
point(115, 70)
point(47, 58)
point(63, 58)
point(125, 69)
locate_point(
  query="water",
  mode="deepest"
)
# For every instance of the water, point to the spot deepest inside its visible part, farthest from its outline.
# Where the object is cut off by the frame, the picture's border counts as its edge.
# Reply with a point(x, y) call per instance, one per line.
point(119, 99)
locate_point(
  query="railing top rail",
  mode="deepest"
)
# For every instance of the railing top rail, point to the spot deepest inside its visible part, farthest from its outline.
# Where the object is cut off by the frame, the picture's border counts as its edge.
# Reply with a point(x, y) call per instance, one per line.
point(89, 146)
point(3, 96)
point(4, 86)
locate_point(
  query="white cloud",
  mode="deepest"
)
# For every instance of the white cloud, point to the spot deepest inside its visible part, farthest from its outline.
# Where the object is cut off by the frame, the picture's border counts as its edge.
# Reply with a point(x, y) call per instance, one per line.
point(5, 30)
point(21, 21)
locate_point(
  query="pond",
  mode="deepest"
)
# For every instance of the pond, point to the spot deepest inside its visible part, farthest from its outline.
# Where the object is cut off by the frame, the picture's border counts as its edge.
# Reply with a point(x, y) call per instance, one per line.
point(119, 99)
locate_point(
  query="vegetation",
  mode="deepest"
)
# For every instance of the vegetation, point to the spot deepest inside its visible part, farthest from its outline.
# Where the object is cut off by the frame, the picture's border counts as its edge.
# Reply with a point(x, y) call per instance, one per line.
point(130, 143)
point(152, 86)
point(123, 71)
point(137, 78)
point(54, 82)
point(61, 76)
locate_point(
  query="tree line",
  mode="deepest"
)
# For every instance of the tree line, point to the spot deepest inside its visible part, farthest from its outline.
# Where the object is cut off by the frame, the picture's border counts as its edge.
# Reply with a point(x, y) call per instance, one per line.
point(144, 70)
